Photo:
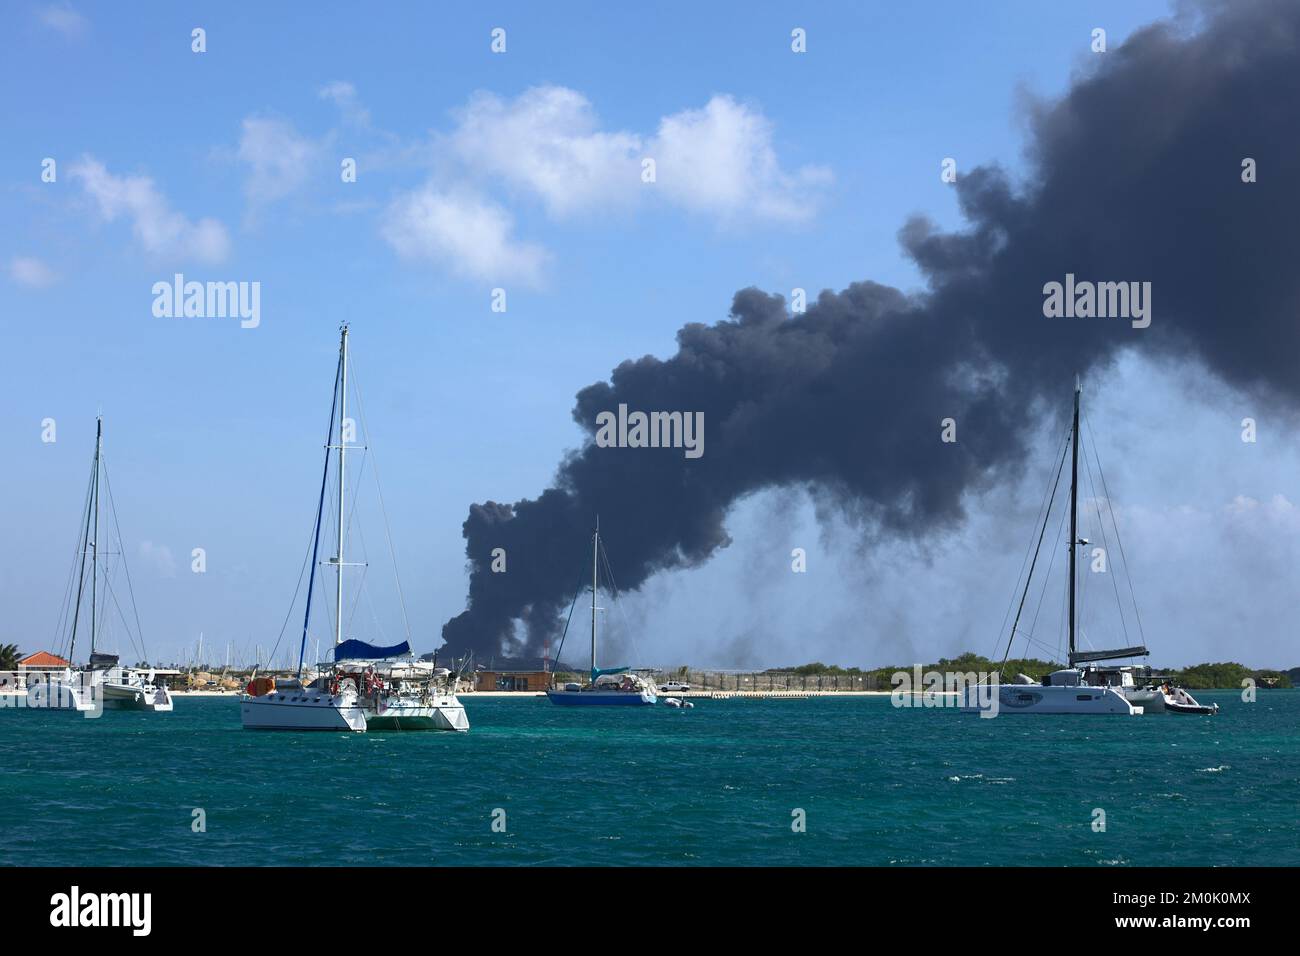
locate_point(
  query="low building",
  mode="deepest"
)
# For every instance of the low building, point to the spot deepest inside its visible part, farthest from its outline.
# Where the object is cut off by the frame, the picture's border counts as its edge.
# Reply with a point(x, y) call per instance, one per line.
point(39, 663)
point(43, 661)
point(526, 681)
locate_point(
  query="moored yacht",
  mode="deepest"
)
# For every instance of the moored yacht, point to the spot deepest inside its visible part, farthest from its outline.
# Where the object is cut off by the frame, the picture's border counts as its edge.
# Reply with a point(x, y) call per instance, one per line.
point(399, 692)
point(608, 686)
point(332, 702)
point(133, 688)
point(364, 687)
point(102, 682)
point(1073, 689)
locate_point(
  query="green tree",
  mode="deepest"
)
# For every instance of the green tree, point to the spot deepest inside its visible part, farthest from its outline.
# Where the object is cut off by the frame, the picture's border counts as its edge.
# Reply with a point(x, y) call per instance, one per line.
point(9, 657)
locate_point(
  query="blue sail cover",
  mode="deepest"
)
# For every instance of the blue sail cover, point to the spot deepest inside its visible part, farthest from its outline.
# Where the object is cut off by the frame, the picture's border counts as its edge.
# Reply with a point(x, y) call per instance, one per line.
point(354, 650)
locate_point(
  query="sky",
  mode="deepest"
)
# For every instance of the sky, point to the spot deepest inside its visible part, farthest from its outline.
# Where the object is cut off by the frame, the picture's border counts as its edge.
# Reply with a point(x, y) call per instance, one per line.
point(521, 171)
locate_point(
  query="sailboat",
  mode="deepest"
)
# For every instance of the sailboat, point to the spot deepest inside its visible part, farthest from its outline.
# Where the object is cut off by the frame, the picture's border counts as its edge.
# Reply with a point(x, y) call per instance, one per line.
point(331, 702)
point(1071, 689)
point(103, 681)
point(608, 686)
point(365, 686)
point(400, 692)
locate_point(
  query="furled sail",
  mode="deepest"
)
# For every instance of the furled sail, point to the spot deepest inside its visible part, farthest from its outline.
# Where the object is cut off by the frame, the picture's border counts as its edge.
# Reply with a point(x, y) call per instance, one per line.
point(1080, 657)
point(354, 650)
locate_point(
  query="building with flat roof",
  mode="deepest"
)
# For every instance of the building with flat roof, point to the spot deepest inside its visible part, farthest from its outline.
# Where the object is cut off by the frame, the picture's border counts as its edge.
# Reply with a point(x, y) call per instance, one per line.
point(534, 681)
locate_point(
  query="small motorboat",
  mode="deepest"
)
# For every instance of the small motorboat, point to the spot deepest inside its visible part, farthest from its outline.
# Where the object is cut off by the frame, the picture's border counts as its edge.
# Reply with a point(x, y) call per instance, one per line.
point(1178, 701)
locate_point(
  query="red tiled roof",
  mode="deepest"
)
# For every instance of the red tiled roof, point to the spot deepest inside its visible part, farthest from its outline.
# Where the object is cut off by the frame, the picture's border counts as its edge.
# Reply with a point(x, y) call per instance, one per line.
point(42, 659)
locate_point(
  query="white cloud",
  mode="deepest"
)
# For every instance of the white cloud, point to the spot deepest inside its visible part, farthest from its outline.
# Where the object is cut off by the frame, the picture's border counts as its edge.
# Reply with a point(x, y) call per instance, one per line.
point(546, 140)
point(471, 235)
point(720, 160)
point(156, 226)
point(344, 95)
point(279, 159)
point(30, 272)
point(63, 19)
point(159, 556)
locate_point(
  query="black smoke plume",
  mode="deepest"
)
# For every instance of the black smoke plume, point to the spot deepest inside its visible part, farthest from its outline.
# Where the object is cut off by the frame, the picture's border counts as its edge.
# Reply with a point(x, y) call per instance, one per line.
point(1136, 175)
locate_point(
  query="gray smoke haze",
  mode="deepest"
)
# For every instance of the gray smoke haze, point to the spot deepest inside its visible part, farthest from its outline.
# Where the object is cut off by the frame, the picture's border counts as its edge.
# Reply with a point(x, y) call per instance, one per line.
point(1135, 175)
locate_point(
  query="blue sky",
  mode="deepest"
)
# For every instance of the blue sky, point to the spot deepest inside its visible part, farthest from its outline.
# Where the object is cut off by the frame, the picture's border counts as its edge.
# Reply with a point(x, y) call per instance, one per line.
point(777, 170)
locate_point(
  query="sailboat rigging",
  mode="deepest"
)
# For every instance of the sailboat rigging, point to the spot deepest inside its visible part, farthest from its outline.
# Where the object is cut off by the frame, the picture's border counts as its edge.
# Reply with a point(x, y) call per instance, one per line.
point(365, 686)
point(1083, 686)
point(615, 685)
point(103, 680)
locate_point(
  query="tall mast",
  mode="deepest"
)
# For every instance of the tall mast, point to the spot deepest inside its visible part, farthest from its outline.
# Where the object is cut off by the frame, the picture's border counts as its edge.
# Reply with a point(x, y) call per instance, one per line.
point(1074, 509)
point(343, 418)
point(94, 545)
point(595, 552)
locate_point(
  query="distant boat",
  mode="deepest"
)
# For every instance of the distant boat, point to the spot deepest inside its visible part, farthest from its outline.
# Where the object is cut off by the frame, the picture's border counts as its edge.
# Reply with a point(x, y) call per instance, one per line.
point(609, 686)
point(1083, 686)
point(103, 680)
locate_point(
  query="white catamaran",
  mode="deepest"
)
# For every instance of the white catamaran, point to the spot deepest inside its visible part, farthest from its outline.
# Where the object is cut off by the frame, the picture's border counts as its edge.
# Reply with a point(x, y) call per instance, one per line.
point(103, 680)
point(365, 686)
point(609, 686)
point(1084, 686)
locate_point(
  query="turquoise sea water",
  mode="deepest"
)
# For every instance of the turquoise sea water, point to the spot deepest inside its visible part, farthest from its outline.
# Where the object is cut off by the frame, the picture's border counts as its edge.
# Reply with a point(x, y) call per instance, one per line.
point(714, 785)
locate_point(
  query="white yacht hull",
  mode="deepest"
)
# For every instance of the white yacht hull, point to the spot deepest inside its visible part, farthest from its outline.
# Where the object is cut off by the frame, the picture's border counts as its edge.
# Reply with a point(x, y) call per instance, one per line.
point(303, 710)
point(1040, 699)
point(131, 690)
point(444, 712)
point(1151, 701)
point(64, 693)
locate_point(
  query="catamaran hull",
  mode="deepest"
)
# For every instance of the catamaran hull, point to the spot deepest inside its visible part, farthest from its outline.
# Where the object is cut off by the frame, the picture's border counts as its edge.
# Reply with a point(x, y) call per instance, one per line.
point(281, 712)
point(600, 698)
point(56, 694)
point(130, 697)
point(1151, 701)
point(1039, 699)
point(444, 714)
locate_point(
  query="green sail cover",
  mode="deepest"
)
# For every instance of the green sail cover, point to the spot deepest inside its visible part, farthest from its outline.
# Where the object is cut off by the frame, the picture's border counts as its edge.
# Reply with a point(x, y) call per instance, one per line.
point(598, 671)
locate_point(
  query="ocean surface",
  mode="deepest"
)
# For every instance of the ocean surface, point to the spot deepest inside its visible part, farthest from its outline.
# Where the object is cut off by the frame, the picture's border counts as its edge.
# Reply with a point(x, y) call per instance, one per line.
point(720, 784)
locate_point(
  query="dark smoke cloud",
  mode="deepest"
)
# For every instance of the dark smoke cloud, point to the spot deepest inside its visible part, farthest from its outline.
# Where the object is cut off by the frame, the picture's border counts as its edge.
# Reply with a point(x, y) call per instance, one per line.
point(1135, 176)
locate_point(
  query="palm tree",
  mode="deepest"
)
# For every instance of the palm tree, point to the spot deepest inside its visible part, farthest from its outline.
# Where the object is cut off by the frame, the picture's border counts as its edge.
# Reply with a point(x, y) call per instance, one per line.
point(9, 657)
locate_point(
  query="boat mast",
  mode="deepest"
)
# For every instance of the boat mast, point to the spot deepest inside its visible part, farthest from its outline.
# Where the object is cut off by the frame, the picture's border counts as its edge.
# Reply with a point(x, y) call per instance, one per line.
point(1074, 510)
point(595, 552)
point(343, 418)
point(94, 545)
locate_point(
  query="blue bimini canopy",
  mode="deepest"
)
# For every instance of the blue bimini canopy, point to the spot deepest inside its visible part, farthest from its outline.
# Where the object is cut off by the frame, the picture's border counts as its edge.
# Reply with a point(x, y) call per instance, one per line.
point(354, 650)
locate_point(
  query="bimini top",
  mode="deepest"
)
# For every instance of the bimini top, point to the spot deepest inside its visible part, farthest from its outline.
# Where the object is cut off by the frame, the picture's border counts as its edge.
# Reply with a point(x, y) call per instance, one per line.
point(354, 650)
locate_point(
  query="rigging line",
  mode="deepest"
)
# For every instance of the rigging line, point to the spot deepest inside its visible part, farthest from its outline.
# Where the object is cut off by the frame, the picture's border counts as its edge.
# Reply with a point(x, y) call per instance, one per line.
point(320, 507)
point(135, 609)
point(1039, 516)
point(1118, 540)
point(85, 546)
point(60, 635)
point(1086, 492)
point(360, 590)
point(1037, 549)
point(1042, 595)
point(64, 622)
point(383, 510)
point(108, 586)
point(296, 588)
point(565, 634)
point(1105, 540)
point(331, 526)
point(614, 598)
